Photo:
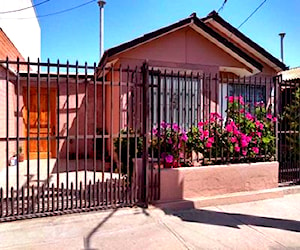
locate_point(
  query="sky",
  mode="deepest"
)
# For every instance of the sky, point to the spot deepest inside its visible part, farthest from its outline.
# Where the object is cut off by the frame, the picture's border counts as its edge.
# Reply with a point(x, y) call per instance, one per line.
point(74, 35)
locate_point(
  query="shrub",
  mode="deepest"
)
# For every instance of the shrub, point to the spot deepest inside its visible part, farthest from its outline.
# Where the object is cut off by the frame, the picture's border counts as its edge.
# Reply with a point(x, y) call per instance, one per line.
point(133, 150)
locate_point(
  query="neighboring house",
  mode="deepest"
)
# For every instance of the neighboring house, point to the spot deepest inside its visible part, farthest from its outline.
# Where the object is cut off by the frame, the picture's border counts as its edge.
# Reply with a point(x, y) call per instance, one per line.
point(8, 93)
point(22, 27)
point(208, 45)
point(20, 37)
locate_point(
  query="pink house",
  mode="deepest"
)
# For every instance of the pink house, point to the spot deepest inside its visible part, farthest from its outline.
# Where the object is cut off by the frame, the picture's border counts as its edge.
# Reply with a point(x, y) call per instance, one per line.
point(208, 45)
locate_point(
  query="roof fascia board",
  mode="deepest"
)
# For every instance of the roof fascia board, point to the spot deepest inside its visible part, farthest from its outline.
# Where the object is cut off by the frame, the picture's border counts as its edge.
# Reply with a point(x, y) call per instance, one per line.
point(232, 30)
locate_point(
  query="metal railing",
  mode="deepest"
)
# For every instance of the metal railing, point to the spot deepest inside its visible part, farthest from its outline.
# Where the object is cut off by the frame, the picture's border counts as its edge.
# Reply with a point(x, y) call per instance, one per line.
point(95, 138)
point(61, 145)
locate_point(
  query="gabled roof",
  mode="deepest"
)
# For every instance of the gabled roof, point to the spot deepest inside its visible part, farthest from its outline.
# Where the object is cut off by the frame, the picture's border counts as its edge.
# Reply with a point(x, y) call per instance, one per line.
point(213, 34)
point(196, 23)
point(215, 16)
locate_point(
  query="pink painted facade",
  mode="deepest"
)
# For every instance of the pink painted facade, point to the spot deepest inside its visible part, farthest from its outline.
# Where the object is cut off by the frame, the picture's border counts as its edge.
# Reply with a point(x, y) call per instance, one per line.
point(206, 181)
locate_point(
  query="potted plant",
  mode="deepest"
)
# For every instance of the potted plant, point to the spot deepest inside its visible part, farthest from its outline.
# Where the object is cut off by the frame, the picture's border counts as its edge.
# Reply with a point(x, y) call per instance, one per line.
point(21, 154)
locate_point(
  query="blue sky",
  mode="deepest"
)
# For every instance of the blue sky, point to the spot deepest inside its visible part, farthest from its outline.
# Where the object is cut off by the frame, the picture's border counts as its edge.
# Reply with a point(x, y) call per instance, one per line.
point(74, 35)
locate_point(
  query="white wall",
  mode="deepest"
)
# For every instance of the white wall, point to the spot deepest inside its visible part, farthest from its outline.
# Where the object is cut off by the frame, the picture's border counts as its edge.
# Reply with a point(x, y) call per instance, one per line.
point(24, 33)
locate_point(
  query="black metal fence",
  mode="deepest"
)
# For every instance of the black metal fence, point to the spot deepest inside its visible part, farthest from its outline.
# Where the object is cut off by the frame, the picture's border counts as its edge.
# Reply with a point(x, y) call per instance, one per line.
point(289, 131)
point(66, 139)
point(78, 137)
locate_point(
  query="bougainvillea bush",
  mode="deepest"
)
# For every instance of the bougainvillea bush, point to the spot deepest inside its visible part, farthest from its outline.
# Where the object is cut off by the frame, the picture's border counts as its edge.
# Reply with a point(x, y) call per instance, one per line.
point(245, 134)
point(249, 131)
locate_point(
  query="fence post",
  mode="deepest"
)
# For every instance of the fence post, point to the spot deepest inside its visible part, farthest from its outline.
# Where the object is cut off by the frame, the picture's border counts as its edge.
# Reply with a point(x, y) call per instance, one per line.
point(145, 129)
point(277, 82)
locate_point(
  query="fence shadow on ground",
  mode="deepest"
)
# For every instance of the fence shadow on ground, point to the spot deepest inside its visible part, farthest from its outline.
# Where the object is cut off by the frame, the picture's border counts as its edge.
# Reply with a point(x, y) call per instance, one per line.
point(234, 220)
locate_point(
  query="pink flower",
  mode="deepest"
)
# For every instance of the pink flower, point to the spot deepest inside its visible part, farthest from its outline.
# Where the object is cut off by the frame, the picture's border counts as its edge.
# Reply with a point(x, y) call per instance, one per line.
point(208, 145)
point(231, 99)
point(229, 128)
point(244, 152)
point(236, 132)
point(163, 124)
point(241, 100)
point(211, 140)
point(170, 141)
point(184, 136)
point(248, 138)
point(259, 134)
point(274, 119)
point(237, 149)
point(242, 111)
point(175, 127)
point(169, 158)
point(200, 124)
point(261, 126)
point(257, 123)
point(269, 116)
point(255, 150)
point(154, 131)
point(234, 140)
point(205, 133)
point(249, 116)
point(244, 143)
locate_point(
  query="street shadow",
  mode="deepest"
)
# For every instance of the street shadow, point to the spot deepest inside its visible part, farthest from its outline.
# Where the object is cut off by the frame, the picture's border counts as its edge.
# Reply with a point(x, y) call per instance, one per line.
point(87, 239)
point(234, 220)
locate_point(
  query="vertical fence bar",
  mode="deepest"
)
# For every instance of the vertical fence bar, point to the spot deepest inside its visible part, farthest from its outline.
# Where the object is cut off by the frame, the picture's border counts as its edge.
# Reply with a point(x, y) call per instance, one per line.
point(12, 202)
point(85, 131)
point(111, 131)
point(57, 130)
point(7, 133)
point(48, 131)
point(18, 133)
point(38, 131)
point(76, 133)
point(67, 140)
point(127, 134)
point(151, 101)
point(145, 185)
point(1, 202)
point(120, 127)
point(103, 132)
point(28, 133)
point(95, 124)
point(136, 105)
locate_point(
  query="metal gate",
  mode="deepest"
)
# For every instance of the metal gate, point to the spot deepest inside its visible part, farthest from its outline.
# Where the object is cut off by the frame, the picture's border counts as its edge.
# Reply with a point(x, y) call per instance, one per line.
point(289, 131)
point(70, 139)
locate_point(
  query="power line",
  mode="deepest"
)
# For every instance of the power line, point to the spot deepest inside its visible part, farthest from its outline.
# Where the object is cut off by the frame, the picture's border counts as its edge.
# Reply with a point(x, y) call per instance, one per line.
point(222, 6)
point(56, 13)
point(17, 10)
point(252, 14)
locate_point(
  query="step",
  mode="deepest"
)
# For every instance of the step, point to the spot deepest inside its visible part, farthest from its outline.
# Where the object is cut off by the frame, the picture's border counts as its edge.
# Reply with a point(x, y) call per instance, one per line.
point(227, 199)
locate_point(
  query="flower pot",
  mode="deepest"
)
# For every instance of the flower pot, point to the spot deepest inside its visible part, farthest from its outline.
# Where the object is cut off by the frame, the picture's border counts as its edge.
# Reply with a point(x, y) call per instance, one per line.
point(21, 157)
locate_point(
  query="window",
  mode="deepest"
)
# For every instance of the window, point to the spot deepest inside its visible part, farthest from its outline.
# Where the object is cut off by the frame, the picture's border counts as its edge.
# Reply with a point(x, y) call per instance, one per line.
point(179, 100)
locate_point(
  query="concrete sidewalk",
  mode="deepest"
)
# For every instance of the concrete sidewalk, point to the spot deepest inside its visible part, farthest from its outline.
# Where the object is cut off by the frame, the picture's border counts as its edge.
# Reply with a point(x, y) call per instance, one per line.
point(268, 224)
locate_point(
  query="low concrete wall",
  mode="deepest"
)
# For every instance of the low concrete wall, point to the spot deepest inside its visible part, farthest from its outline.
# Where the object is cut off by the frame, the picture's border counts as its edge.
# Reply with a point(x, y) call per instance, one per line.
point(192, 182)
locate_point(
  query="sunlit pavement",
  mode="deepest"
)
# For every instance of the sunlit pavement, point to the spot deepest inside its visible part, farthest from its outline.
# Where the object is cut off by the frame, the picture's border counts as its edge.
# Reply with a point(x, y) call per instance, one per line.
point(267, 224)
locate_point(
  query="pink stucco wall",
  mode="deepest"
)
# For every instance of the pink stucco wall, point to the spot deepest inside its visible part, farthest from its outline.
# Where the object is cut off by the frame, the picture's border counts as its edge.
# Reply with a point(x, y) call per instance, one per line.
point(12, 116)
point(184, 183)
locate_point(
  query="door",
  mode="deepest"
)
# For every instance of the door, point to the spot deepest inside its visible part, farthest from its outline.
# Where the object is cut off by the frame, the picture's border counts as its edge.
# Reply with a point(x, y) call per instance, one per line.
point(38, 123)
